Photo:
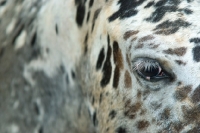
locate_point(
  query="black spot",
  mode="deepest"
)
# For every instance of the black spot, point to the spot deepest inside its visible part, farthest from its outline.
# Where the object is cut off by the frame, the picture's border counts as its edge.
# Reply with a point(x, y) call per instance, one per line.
point(73, 75)
point(196, 53)
point(107, 129)
point(2, 3)
point(170, 27)
point(40, 130)
point(94, 119)
point(56, 29)
point(196, 95)
point(195, 40)
point(190, 1)
point(2, 51)
point(67, 79)
point(187, 11)
point(80, 13)
point(127, 9)
point(47, 50)
point(88, 16)
point(162, 7)
point(100, 59)
point(160, 3)
point(35, 52)
point(85, 42)
point(91, 3)
point(96, 14)
point(149, 4)
point(33, 40)
point(107, 68)
point(100, 98)
point(62, 68)
point(36, 108)
point(78, 2)
point(93, 100)
point(121, 130)
point(182, 92)
point(112, 114)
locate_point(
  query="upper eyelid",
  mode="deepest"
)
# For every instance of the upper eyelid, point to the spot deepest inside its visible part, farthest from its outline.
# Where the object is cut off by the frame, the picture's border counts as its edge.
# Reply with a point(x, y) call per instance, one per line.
point(145, 63)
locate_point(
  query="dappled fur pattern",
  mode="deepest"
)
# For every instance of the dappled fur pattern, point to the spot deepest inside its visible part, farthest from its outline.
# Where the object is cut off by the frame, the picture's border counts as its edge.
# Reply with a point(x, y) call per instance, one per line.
point(97, 44)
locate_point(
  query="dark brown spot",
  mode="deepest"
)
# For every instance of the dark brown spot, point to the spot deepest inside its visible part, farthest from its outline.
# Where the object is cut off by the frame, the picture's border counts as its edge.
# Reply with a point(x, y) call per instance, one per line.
point(177, 51)
point(133, 39)
point(141, 125)
point(129, 34)
point(131, 109)
point(196, 95)
point(165, 114)
point(177, 127)
point(139, 94)
point(170, 27)
point(127, 80)
point(146, 38)
point(191, 114)
point(180, 62)
point(112, 114)
point(196, 129)
point(116, 77)
point(117, 55)
point(96, 14)
point(146, 93)
point(181, 93)
point(140, 45)
point(142, 112)
point(155, 46)
point(128, 61)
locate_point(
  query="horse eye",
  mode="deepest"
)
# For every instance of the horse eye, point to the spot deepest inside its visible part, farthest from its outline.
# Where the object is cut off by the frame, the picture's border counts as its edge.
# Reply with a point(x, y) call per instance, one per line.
point(150, 70)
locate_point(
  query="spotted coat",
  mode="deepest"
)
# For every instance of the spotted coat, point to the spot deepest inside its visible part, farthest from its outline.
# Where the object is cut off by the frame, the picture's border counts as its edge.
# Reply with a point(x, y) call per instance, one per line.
point(99, 42)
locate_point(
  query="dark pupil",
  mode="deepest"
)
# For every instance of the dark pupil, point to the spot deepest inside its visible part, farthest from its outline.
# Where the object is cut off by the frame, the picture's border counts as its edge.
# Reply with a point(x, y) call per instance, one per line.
point(154, 71)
